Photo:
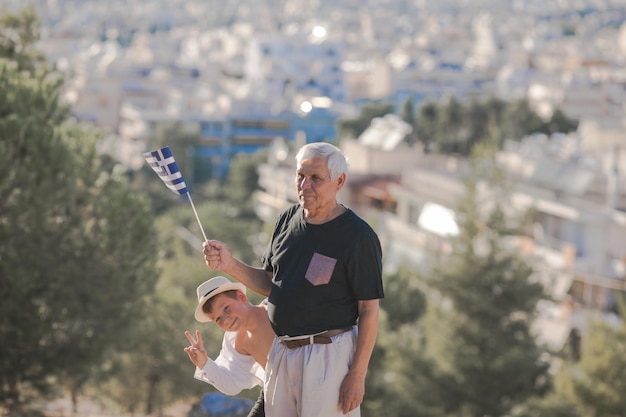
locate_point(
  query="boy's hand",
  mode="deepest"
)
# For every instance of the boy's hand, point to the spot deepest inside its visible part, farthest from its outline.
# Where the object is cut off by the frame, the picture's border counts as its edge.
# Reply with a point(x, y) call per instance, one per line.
point(197, 353)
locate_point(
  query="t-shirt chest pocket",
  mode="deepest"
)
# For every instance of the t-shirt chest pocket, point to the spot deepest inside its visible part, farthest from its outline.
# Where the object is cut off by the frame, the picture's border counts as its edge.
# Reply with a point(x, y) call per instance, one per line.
point(320, 269)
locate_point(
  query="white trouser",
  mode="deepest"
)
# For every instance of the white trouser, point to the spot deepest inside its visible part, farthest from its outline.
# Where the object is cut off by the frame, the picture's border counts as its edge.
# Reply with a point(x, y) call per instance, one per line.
point(305, 382)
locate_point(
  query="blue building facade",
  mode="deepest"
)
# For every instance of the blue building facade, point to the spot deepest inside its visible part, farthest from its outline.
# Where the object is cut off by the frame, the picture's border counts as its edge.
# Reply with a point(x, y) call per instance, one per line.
point(221, 140)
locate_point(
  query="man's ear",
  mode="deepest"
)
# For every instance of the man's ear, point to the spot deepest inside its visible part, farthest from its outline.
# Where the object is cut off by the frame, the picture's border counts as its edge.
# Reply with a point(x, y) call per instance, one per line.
point(341, 180)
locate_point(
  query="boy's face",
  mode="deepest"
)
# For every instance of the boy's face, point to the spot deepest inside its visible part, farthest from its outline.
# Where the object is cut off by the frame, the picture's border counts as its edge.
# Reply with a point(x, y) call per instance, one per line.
point(228, 312)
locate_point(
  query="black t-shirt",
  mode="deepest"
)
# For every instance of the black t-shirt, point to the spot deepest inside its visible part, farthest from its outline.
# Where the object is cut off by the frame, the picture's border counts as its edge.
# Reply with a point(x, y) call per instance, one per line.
point(321, 272)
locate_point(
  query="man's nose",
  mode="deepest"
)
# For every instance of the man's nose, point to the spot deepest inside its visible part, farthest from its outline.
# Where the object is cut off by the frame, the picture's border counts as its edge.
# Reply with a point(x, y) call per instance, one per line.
point(304, 182)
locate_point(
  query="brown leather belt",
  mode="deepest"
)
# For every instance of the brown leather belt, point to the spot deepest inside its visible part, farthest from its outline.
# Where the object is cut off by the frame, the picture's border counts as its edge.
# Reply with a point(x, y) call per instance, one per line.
point(320, 339)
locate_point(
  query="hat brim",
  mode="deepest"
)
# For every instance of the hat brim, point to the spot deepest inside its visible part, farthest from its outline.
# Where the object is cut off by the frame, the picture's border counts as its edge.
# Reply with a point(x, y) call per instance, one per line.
point(200, 315)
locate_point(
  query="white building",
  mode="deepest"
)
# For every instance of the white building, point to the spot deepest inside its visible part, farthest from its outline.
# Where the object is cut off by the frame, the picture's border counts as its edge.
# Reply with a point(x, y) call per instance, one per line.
point(308, 64)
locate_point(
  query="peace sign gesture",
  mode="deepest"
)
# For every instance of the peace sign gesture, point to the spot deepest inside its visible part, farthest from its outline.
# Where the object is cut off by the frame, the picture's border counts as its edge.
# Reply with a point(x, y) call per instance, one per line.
point(196, 351)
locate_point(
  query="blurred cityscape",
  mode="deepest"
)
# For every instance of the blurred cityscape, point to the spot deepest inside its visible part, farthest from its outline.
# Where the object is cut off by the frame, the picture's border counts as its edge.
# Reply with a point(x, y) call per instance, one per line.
point(243, 73)
point(248, 75)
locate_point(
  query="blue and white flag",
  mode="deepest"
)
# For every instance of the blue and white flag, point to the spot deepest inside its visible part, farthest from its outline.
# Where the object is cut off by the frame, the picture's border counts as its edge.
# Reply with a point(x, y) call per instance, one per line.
point(163, 163)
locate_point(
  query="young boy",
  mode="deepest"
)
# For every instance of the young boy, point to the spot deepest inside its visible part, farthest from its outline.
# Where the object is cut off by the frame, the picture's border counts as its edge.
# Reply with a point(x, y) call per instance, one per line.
point(247, 339)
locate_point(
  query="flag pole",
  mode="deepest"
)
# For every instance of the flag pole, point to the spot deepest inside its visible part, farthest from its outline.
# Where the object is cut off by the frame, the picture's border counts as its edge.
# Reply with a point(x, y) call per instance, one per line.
point(196, 213)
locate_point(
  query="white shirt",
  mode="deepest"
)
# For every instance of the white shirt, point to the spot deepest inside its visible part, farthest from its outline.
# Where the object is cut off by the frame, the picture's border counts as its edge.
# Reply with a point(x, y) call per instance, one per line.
point(231, 372)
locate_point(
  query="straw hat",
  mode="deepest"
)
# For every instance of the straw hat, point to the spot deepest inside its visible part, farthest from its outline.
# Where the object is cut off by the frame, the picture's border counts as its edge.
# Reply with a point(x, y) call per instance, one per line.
point(210, 289)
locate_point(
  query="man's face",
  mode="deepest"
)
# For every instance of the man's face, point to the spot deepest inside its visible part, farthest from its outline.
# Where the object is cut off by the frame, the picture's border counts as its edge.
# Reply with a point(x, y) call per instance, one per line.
point(316, 190)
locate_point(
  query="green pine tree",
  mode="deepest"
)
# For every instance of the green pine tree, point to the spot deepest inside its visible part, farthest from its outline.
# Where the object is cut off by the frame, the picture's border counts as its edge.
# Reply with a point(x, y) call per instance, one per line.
point(481, 305)
point(76, 244)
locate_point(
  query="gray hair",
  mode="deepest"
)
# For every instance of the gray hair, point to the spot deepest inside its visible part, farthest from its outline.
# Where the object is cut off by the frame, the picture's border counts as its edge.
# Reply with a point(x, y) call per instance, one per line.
point(336, 161)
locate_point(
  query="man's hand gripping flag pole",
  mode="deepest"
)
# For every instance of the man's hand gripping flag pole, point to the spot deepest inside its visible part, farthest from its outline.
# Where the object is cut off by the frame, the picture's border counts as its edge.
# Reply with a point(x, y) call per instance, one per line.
point(163, 163)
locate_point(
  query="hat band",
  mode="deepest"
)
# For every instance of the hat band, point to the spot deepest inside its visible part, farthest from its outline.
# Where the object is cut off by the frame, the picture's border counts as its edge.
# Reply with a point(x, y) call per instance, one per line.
point(209, 292)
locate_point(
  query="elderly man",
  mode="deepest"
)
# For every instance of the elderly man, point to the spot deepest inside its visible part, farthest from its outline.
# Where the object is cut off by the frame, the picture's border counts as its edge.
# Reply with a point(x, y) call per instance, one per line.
point(322, 272)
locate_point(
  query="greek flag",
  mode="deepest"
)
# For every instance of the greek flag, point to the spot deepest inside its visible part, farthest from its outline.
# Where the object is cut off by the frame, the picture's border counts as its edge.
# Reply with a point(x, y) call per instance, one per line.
point(163, 163)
